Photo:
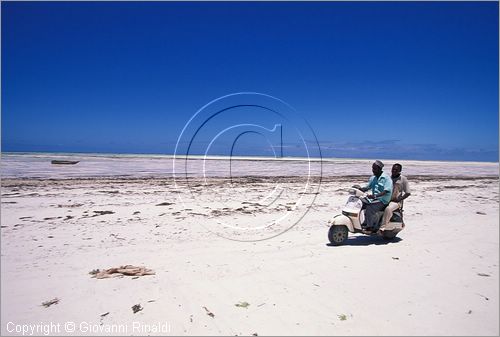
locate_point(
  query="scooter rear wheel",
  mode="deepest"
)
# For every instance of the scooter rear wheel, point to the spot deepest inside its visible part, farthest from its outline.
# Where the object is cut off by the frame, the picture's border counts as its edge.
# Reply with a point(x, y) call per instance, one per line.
point(389, 235)
point(337, 234)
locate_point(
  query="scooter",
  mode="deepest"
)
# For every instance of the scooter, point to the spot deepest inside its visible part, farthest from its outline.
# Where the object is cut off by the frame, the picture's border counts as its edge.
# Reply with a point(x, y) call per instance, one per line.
point(352, 220)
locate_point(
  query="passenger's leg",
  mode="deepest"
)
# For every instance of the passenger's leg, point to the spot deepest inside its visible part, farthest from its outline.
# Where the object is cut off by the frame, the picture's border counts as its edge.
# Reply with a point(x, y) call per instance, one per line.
point(389, 210)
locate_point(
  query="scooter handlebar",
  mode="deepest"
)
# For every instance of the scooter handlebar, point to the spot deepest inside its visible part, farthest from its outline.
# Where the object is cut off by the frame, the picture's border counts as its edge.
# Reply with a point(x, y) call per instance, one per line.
point(357, 192)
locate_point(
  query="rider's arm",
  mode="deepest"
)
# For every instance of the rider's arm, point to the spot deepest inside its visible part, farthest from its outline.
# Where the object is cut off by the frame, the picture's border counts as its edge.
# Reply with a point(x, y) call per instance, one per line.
point(387, 185)
point(378, 195)
point(368, 185)
point(381, 194)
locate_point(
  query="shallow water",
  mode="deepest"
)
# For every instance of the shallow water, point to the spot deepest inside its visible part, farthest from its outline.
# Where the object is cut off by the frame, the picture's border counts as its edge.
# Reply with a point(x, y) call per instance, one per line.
point(38, 165)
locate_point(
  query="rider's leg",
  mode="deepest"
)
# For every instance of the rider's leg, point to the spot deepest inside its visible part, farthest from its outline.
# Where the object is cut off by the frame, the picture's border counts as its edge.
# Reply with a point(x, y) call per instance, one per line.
point(371, 209)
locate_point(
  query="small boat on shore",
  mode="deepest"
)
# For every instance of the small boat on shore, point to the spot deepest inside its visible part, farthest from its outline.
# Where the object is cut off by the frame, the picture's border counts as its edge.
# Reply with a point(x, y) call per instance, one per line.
point(64, 162)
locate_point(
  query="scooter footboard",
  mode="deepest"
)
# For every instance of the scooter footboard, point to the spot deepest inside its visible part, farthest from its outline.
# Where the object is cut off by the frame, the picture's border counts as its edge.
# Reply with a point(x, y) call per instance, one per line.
point(395, 227)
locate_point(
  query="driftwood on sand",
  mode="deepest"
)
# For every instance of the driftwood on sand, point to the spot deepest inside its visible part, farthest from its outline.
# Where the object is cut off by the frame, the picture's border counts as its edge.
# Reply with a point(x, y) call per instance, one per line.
point(121, 271)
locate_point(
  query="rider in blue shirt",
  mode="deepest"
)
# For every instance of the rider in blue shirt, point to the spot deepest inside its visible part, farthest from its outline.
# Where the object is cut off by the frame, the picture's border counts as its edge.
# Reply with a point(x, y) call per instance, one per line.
point(381, 186)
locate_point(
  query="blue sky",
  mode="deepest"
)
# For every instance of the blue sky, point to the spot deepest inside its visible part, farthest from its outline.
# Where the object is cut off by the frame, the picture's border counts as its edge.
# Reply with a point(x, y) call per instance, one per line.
point(415, 80)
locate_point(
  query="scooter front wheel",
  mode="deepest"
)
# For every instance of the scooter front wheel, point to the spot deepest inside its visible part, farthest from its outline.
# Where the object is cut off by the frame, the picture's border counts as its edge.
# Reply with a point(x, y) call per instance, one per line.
point(337, 234)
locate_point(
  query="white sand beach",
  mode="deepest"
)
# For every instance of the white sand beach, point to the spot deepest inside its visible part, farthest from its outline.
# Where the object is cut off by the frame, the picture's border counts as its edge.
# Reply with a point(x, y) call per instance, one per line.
point(440, 277)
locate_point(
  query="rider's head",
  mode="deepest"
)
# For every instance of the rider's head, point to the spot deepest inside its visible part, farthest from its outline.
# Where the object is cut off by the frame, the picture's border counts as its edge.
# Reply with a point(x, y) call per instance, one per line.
point(396, 169)
point(377, 168)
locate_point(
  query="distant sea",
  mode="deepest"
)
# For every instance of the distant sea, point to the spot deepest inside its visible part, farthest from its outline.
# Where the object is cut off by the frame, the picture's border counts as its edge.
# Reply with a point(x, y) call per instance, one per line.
point(38, 165)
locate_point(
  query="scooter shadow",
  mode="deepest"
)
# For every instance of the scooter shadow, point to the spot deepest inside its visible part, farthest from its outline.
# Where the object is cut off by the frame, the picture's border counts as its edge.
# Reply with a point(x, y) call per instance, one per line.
point(367, 240)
